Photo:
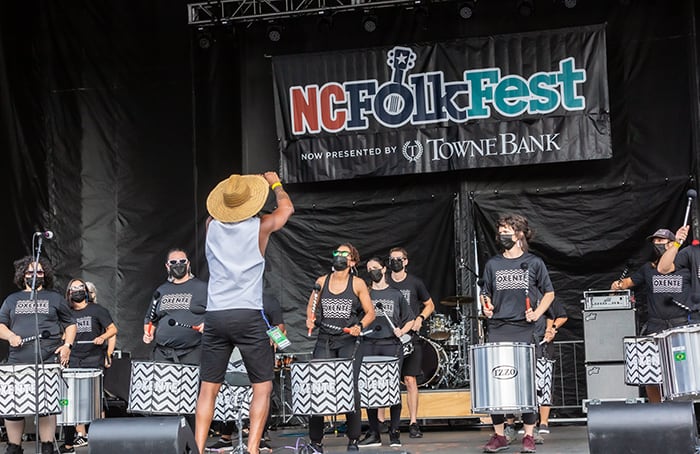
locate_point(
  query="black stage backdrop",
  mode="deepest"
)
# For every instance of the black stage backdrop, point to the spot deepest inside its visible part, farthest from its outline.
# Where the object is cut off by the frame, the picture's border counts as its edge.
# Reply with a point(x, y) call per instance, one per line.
point(115, 125)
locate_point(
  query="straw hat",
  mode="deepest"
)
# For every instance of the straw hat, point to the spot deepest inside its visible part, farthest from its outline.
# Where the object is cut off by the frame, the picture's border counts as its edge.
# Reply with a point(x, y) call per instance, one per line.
point(237, 198)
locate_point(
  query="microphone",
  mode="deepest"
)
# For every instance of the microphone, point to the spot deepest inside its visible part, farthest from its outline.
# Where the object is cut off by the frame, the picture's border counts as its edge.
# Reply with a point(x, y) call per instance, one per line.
point(46, 234)
point(44, 335)
point(523, 266)
point(692, 193)
point(172, 322)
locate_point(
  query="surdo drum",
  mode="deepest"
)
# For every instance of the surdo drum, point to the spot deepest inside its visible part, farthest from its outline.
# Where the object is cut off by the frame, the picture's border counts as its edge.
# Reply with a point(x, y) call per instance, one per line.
point(502, 377)
point(21, 394)
point(642, 362)
point(322, 387)
point(379, 382)
point(163, 388)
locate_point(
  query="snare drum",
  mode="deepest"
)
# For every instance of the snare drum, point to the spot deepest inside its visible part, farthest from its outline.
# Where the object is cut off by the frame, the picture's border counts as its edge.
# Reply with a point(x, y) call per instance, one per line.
point(322, 387)
point(502, 377)
point(379, 382)
point(642, 363)
point(163, 388)
point(18, 389)
point(679, 350)
point(439, 327)
point(81, 396)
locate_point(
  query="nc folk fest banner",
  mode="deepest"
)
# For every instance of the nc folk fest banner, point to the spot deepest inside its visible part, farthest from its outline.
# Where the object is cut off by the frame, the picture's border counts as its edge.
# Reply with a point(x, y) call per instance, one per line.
point(506, 100)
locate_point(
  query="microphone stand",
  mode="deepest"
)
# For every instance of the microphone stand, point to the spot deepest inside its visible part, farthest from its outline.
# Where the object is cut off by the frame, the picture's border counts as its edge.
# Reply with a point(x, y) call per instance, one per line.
point(37, 345)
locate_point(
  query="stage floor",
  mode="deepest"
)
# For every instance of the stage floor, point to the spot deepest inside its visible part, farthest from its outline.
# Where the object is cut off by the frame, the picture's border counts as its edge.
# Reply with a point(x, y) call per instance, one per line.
point(570, 439)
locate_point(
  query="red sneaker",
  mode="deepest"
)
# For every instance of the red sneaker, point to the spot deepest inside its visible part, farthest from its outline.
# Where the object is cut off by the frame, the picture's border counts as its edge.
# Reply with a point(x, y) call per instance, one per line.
point(497, 443)
point(528, 444)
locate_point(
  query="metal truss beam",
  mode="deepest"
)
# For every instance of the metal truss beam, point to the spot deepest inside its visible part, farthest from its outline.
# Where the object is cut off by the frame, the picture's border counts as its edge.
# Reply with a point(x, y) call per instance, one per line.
point(228, 11)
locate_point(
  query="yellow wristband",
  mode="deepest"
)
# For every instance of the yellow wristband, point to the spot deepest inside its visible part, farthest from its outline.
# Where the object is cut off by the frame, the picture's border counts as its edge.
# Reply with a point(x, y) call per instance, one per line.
point(276, 185)
point(677, 244)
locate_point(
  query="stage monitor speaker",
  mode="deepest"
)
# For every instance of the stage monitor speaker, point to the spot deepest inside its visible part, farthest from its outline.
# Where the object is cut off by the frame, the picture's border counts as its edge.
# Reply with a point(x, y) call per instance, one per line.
point(143, 435)
point(626, 428)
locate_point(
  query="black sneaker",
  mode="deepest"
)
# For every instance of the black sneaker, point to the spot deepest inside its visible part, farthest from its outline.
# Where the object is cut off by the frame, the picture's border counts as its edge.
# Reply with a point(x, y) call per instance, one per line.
point(353, 445)
point(63, 448)
point(14, 449)
point(394, 439)
point(222, 445)
point(315, 448)
point(371, 439)
point(47, 448)
point(414, 431)
point(264, 446)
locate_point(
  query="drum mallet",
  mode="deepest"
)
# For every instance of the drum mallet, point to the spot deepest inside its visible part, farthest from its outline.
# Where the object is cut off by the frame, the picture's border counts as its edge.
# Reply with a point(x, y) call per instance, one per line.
point(152, 312)
point(44, 335)
point(523, 266)
point(317, 288)
point(173, 322)
point(692, 193)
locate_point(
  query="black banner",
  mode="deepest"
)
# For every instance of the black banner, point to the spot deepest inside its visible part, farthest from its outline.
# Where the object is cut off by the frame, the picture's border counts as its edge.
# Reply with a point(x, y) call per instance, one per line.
point(505, 100)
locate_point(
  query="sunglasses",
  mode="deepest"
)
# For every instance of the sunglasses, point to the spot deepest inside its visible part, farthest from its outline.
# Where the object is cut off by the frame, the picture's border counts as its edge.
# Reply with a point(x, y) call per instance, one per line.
point(31, 273)
point(77, 289)
point(178, 261)
point(341, 253)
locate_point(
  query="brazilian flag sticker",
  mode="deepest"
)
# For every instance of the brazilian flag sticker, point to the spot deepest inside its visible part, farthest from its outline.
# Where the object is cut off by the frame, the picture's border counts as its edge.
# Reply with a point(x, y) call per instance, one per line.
point(679, 356)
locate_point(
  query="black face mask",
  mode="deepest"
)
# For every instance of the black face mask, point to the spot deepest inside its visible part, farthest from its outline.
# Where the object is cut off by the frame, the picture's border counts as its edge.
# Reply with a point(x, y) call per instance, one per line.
point(77, 296)
point(659, 249)
point(340, 263)
point(376, 275)
point(179, 270)
point(39, 281)
point(506, 241)
point(395, 265)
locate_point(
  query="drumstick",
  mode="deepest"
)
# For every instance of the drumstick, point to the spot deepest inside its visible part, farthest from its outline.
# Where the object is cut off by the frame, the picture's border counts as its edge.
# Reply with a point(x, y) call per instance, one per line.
point(316, 289)
point(523, 266)
point(44, 335)
point(152, 312)
point(482, 295)
point(173, 322)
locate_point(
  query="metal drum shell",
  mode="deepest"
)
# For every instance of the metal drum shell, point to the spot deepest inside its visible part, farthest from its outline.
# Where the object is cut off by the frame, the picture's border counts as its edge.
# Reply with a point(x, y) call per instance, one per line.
point(81, 396)
point(679, 351)
point(502, 377)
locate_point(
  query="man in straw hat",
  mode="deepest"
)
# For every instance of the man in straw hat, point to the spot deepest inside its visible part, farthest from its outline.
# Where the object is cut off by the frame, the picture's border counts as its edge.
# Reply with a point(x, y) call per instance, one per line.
point(235, 249)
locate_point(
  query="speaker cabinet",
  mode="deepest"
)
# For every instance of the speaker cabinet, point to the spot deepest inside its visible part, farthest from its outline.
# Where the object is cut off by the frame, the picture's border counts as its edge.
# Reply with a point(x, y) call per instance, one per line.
point(607, 381)
point(624, 428)
point(603, 332)
point(143, 435)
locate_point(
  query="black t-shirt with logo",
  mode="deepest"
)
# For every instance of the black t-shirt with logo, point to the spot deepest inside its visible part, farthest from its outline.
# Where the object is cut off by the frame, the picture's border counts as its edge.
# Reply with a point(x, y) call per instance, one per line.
point(92, 321)
point(663, 289)
point(53, 315)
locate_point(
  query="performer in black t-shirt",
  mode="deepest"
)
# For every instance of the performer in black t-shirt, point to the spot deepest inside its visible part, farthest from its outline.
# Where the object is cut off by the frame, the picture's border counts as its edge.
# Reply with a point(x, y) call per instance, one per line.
point(95, 328)
point(18, 315)
point(422, 305)
point(343, 302)
point(384, 340)
point(181, 301)
point(669, 296)
point(517, 292)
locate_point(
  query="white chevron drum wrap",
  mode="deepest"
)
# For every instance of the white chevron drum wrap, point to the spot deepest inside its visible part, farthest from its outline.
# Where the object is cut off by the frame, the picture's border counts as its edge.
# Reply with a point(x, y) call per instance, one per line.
point(642, 363)
point(543, 376)
point(379, 382)
point(163, 388)
point(228, 401)
point(19, 394)
point(322, 387)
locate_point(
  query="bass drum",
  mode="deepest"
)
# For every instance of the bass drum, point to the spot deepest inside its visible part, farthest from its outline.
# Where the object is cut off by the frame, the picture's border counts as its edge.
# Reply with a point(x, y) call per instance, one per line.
point(433, 365)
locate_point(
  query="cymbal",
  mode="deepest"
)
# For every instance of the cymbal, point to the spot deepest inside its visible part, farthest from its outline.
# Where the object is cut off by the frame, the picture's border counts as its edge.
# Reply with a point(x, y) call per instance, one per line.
point(456, 300)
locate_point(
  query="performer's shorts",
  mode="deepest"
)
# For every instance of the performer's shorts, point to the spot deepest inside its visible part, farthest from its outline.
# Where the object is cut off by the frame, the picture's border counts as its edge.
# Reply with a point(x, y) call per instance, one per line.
point(242, 328)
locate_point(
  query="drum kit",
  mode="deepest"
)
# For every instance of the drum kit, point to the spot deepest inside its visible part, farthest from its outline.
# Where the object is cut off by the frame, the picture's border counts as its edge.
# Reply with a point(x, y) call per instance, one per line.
point(445, 349)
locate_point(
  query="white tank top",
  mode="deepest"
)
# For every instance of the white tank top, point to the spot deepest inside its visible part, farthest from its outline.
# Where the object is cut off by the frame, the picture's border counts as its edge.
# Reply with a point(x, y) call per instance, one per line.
point(235, 265)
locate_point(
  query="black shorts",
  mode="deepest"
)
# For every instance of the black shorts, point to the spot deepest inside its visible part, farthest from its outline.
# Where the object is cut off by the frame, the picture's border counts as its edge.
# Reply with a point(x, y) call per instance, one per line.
point(242, 328)
point(413, 364)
